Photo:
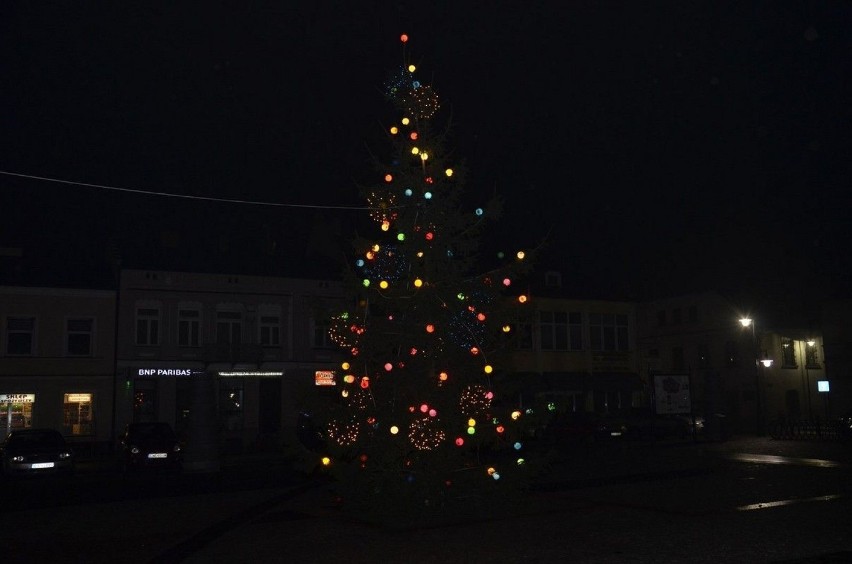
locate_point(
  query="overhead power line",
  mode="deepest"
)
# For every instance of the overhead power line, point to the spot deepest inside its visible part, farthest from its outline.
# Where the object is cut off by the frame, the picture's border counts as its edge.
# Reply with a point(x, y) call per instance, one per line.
point(185, 196)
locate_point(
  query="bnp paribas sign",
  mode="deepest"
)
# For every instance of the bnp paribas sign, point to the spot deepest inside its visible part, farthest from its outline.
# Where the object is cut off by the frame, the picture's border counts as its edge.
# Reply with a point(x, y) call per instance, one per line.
point(167, 372)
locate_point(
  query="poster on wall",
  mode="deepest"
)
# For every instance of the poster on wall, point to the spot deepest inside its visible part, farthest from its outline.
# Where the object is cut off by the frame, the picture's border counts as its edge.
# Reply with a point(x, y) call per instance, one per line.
point(671, 393)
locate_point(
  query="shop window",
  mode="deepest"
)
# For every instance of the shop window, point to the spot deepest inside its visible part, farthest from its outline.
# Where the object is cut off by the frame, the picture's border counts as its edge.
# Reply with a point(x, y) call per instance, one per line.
point(189, 327)
point(16, 411)
point(147, 326)
point(231, 404)
point(80, 336)
point(270, 330)
point(78, 419)
point(144, 401)
point(20, 335)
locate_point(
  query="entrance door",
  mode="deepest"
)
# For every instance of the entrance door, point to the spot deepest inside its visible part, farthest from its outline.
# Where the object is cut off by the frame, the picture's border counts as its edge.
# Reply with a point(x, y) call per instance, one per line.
point(270, 406)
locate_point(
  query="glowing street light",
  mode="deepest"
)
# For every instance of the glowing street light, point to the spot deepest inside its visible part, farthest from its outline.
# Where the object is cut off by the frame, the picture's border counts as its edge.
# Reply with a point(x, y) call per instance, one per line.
point(747, 322)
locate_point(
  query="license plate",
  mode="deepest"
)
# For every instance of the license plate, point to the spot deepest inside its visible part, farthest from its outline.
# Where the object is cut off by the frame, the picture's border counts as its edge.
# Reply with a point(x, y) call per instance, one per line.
point(158, 455)
point(615, 434)
point(42, 465)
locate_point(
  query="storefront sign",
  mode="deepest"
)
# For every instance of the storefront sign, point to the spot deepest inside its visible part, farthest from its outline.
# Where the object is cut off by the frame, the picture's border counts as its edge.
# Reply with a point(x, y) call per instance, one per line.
point(78, 398)
point(165, 372)
point(325, 378)
point(17, 398)
point(251, 373)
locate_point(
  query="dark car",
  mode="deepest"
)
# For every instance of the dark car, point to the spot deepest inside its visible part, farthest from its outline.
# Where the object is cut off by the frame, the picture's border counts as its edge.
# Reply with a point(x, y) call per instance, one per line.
point(150, 446)
point(581, 426)
point(643, 423)
point(36, 451)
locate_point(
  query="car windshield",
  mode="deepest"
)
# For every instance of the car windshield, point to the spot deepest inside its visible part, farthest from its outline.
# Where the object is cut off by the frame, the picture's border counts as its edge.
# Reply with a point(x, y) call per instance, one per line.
point(151, 431)
point(38, 439)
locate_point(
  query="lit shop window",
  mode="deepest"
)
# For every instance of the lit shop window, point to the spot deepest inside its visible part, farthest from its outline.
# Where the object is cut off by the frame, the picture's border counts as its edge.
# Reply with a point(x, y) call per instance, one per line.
point(16, 411)
point(78, 414)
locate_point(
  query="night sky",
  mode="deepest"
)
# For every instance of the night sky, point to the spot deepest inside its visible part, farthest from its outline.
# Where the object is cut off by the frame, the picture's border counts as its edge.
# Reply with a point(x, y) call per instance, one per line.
point(662, 147)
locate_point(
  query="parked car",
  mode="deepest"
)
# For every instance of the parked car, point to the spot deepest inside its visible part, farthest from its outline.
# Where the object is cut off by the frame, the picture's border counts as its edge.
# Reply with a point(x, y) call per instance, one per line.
point(150, 446)
point(36, 451)
point(642, 423)
point(581, 426)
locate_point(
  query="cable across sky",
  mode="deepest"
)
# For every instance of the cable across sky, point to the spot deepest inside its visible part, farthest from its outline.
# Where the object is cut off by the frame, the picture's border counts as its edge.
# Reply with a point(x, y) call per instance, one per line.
point(185, 196)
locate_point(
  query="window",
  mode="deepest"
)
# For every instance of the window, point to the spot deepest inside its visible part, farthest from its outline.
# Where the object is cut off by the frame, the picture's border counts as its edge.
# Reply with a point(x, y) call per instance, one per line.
point(80, 337)
point(229, 327)
point(525, 333)
point(811, 358)
point(703, 356)
point(608, 332)
point(78, 418)
point(560, 331)
point(270, 330)
point(732, 354)
point(189, 327)
point(677, 358)
point(676, 317)
point(20, 335)
point(788, 353)
point(693, 314)
point(147, 326)
point(553, 279)
point(661, 318)
point(322, 339)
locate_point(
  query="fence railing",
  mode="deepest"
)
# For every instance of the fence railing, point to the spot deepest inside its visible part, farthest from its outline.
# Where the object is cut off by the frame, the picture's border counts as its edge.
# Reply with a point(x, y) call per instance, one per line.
point(806, 429)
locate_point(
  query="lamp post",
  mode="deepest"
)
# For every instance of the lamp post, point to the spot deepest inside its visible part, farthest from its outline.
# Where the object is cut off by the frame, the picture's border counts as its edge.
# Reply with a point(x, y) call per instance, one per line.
point(811, 343)
point(748, 322)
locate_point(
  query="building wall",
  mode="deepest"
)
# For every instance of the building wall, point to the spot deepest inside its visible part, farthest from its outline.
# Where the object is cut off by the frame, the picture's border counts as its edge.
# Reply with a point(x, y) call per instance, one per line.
point(590, 374)
point(51, 369)
point(701, 335)
point(259, 388)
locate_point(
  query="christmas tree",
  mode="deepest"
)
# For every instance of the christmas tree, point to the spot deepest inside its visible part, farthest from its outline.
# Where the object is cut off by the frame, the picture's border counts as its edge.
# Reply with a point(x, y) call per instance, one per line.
point(417, 421)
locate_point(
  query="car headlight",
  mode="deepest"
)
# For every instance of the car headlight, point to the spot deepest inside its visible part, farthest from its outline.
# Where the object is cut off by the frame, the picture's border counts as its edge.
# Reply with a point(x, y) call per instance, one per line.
point(17, 458)
point(64, 455)
point(134, 450)
point(177, 448)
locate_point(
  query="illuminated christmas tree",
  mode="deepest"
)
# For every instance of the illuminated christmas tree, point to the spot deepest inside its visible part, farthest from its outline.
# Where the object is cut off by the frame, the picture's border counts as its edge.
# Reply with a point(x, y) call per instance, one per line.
point(417, 416)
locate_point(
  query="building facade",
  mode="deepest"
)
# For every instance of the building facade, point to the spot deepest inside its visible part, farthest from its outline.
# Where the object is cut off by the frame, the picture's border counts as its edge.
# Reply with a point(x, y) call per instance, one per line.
point(263, 341)
point(576, 355)
point(57, 361)
point(746, 372)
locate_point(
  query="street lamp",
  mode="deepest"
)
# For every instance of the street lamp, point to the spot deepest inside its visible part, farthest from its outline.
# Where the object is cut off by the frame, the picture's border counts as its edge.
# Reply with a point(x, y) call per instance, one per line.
point(748, 322)
point(811, 344)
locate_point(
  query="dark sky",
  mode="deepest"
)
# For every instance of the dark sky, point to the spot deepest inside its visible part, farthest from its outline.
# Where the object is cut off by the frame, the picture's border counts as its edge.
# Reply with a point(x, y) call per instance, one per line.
point(666, 147)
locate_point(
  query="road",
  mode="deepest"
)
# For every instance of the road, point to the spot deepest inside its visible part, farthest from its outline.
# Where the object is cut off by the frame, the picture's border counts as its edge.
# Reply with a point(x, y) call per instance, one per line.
point(753, 500)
